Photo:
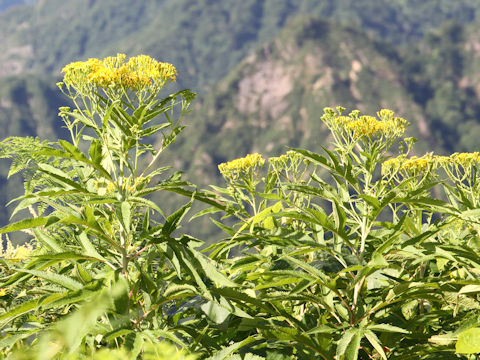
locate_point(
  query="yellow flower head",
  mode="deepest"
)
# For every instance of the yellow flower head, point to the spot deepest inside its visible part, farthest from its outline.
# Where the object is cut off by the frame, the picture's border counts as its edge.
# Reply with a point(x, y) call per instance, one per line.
point(17, 253)
point(411, 167)
point(232, 169)
point(286, 160)
point(356, 126)
point(135, 74)
point(465, 160)
point(369, 126)
point(3, 292)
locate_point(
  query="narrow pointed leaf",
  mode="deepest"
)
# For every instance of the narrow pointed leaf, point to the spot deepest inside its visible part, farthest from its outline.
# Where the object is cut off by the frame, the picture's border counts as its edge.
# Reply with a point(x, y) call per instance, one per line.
point(59, 279)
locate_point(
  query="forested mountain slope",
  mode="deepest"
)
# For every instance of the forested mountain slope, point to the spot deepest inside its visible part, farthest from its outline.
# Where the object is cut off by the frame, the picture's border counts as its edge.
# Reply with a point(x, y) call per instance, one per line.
point(263, 69)
point(205, 39)
point(275, 98)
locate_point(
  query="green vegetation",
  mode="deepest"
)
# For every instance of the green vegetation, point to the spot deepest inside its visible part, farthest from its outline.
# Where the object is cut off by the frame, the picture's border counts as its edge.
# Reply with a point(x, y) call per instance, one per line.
point(362, 251)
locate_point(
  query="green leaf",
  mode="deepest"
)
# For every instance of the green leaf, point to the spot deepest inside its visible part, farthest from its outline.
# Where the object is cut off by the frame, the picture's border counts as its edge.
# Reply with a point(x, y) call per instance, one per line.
point(443, 339)
point(146, 202)
point(211, 271)
point(373, 339)
point(88, 247)
point(108, 113)
point(153, 129)
point(173, 220)
point(215, 312)
point(59, 279)
point(344, 342)
point(89, 291)
point(469, 289)
point(351, 353)
point(226, 352)
point(25, 224)
point(112, 335)
point(322, 329)
point(372, 201)
point(9, 341)
point(95, 152)
point(209, 210)
point(387, 328)
point(179, 291)
point(61, 176)
point(73, 153)
point(83, 274)
point(19, 310)
point(468, 342)
point(250, 356)
point(47, 240)
point(126, 213)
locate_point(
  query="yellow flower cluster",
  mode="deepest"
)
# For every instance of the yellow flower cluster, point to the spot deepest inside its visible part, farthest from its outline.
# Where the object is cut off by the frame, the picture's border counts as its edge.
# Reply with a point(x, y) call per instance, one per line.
point(413, 166)
point(369, 126)
point(282, 161)
point(135, 74)
point(234, 168)
point(17, 253)
point(418, 165)
point(366, 126)
point(465, 160)
point(3, 292)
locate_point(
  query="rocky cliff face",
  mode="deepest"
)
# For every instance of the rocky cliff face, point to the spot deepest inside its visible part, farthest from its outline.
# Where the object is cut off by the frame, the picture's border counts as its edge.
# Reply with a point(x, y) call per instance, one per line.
point(276, 96)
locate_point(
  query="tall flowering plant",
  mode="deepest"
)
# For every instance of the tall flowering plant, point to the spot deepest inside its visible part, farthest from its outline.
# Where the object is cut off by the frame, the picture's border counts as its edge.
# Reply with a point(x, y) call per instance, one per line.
point(348, 255)
point(100, 245)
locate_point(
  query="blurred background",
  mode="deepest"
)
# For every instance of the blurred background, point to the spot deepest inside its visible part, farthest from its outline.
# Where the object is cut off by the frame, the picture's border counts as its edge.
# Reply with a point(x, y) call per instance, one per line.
point(263, 69)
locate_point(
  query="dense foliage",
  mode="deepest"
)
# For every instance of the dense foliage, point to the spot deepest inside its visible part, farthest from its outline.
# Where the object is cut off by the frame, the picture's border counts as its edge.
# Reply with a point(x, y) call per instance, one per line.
point(348, 254)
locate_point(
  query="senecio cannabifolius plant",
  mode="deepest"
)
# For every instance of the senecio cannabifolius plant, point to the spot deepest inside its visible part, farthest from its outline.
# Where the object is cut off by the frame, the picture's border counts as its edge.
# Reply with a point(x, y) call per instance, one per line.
point(103, 251)
point(348, 256)
point(339, 256)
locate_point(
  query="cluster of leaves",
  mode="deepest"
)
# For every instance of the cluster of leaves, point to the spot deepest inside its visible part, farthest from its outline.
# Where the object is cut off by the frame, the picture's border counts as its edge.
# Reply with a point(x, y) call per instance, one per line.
point(325, 256)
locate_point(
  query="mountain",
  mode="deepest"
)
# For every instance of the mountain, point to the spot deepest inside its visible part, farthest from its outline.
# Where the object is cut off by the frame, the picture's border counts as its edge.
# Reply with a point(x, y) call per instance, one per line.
point(276, 96)
point(205, 39)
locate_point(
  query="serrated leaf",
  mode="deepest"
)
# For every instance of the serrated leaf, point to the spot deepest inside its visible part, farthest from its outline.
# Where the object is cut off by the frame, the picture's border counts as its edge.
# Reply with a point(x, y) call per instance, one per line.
point(47, 241)
point(95, 152)
point(211, 271)
point(9, 341)
point(20, 310)
point(444, 339)
point(173, 220)
point(147, 203)
point(88, 247)
point(344, 342)
point(59, 279)
point(25, 224)
point(61, 176)
point(373, 339)
point(469, 289)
